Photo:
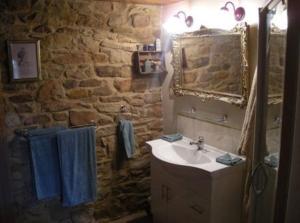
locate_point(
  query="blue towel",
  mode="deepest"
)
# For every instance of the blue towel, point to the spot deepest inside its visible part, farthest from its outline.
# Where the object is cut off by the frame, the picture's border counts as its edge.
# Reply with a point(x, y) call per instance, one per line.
point(77, 155)
point(126, 137)
point(172, 137)
point(45, 162)
point(272, 160)
point(229, 160)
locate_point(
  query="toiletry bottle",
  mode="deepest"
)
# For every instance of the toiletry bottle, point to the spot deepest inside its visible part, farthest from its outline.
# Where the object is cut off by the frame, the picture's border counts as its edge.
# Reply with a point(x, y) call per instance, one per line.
point(148, 67)
point(158, 45)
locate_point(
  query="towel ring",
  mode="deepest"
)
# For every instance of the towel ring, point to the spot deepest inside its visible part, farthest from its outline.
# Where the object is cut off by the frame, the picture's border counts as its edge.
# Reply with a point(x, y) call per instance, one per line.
point(124, 110)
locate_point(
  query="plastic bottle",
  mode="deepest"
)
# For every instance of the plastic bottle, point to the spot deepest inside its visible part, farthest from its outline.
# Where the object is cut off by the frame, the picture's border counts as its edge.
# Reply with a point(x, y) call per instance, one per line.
point(158, 45)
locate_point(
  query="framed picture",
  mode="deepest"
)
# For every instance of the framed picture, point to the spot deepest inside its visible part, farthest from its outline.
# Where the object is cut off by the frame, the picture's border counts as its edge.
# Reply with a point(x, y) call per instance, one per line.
point(24, 60)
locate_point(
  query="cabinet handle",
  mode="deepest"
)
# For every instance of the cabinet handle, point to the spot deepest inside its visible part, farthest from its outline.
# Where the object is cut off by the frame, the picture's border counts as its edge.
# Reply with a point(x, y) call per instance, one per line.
point(197, 208)
point(168, 193)
point(163, 187)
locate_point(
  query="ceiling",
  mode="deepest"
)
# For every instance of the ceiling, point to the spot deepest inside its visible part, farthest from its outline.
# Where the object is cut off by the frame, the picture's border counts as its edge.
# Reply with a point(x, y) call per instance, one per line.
point(150, 2)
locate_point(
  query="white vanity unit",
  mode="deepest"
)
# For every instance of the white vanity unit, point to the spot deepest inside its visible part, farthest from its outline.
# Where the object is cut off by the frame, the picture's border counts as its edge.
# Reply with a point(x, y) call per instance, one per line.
point(189, 186)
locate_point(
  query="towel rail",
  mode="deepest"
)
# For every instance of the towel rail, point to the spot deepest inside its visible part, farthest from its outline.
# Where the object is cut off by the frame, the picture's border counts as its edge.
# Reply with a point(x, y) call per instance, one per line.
point(25, 131)
point(84, 125)
point(124, 111)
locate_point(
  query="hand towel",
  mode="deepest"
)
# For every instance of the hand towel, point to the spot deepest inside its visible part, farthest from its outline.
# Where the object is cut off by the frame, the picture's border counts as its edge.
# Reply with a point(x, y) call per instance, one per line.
point(172, 137)
point(77, 155)
point(126, 143)
point(45, 162)
point(126, 137)
point(227, 159)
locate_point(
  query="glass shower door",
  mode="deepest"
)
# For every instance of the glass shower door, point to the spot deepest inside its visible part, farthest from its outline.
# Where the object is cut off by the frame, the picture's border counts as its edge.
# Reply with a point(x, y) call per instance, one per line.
point(271, 62)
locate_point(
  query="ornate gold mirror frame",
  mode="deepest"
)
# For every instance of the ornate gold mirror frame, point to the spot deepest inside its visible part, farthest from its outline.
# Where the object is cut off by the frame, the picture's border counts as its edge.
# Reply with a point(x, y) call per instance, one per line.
point(179, 90)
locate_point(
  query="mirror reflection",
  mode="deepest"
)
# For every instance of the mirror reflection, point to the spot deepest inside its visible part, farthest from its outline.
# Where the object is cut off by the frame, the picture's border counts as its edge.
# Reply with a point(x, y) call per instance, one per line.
point(212, 63)
point(275, 77)
point(276, 65)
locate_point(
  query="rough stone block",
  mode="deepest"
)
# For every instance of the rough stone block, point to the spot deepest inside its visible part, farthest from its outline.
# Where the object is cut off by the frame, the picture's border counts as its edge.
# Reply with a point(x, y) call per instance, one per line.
point(56, 106)
point(78, 93)
point(12, 120)
point(91, 83)
point(69, 84)
point(113, 71)
point(123, 85)
point(50, 90)
point(72, 58)
point(60, 116)
point(42, 29)
point(24, 108)
point(103, 90)
point(99, 58)
point(83, 117)
point(21, 98)
point(114, 98)
point(140, 20)
point(18, 5)
point(37, 119)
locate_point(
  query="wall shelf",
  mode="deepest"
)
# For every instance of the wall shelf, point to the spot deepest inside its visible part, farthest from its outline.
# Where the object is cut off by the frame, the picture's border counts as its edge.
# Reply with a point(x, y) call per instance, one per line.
point(156, 58)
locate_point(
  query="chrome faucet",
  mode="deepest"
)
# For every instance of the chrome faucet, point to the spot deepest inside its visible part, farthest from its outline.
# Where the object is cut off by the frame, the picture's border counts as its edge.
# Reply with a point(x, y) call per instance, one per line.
point(199, 143)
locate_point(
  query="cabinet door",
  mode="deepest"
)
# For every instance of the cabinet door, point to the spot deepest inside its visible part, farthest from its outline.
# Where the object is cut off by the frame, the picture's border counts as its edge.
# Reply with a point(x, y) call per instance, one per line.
point(185, 204)
point(158, 193)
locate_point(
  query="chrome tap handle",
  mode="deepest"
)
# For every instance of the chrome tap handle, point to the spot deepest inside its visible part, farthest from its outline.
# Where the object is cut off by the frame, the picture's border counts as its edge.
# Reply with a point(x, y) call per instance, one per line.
point(201, 139)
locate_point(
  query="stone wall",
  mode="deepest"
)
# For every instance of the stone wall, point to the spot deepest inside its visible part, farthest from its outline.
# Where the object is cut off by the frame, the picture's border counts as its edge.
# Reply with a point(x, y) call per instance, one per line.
point(276, 61)
point(87, 74)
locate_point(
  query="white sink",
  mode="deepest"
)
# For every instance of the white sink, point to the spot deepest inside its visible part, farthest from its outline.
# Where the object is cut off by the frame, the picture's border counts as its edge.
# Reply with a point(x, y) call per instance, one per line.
point(182, 153)
point(188, 185)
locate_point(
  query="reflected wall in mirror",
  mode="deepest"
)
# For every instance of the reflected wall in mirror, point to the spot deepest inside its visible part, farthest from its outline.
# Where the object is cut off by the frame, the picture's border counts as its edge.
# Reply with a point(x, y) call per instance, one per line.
point(275, 69)
point(276, 64)
point(212, 63)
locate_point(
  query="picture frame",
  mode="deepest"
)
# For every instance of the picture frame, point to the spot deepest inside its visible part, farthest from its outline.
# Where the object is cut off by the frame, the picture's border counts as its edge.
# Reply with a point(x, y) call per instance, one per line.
point(24, 60)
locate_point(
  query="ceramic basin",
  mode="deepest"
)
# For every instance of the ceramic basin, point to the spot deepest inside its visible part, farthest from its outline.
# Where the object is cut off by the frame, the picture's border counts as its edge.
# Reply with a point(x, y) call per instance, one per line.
point(181, 154)
point(184, 154)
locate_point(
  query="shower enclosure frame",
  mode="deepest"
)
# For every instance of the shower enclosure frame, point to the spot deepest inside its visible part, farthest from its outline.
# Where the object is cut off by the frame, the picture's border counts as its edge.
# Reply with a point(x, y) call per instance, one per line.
point(285, 194)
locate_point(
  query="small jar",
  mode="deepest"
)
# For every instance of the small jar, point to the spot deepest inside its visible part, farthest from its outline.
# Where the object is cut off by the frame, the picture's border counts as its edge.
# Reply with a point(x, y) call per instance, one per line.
point(145, 47)
point(158, 45)
point(151, 47)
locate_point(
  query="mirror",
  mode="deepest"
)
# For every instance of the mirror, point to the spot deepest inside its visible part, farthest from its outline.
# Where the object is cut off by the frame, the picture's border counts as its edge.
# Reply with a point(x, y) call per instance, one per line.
point(212, 64)
point(276, 64)
point(275, 70)
point(275, 77)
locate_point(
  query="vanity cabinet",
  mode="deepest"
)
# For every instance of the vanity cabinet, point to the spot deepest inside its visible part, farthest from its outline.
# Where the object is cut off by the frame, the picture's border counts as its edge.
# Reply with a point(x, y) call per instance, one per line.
point(181, 194)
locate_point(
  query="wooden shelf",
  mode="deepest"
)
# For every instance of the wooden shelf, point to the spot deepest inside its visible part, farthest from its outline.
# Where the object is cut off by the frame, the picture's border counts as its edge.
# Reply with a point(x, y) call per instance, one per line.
point(156, 57)
point(147, 52)
point(147, 2)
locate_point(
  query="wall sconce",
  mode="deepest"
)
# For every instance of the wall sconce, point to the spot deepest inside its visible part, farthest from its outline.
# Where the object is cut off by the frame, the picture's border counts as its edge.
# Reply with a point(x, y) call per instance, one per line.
point(239, 13)
point(179, 23)
point(187, 19)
